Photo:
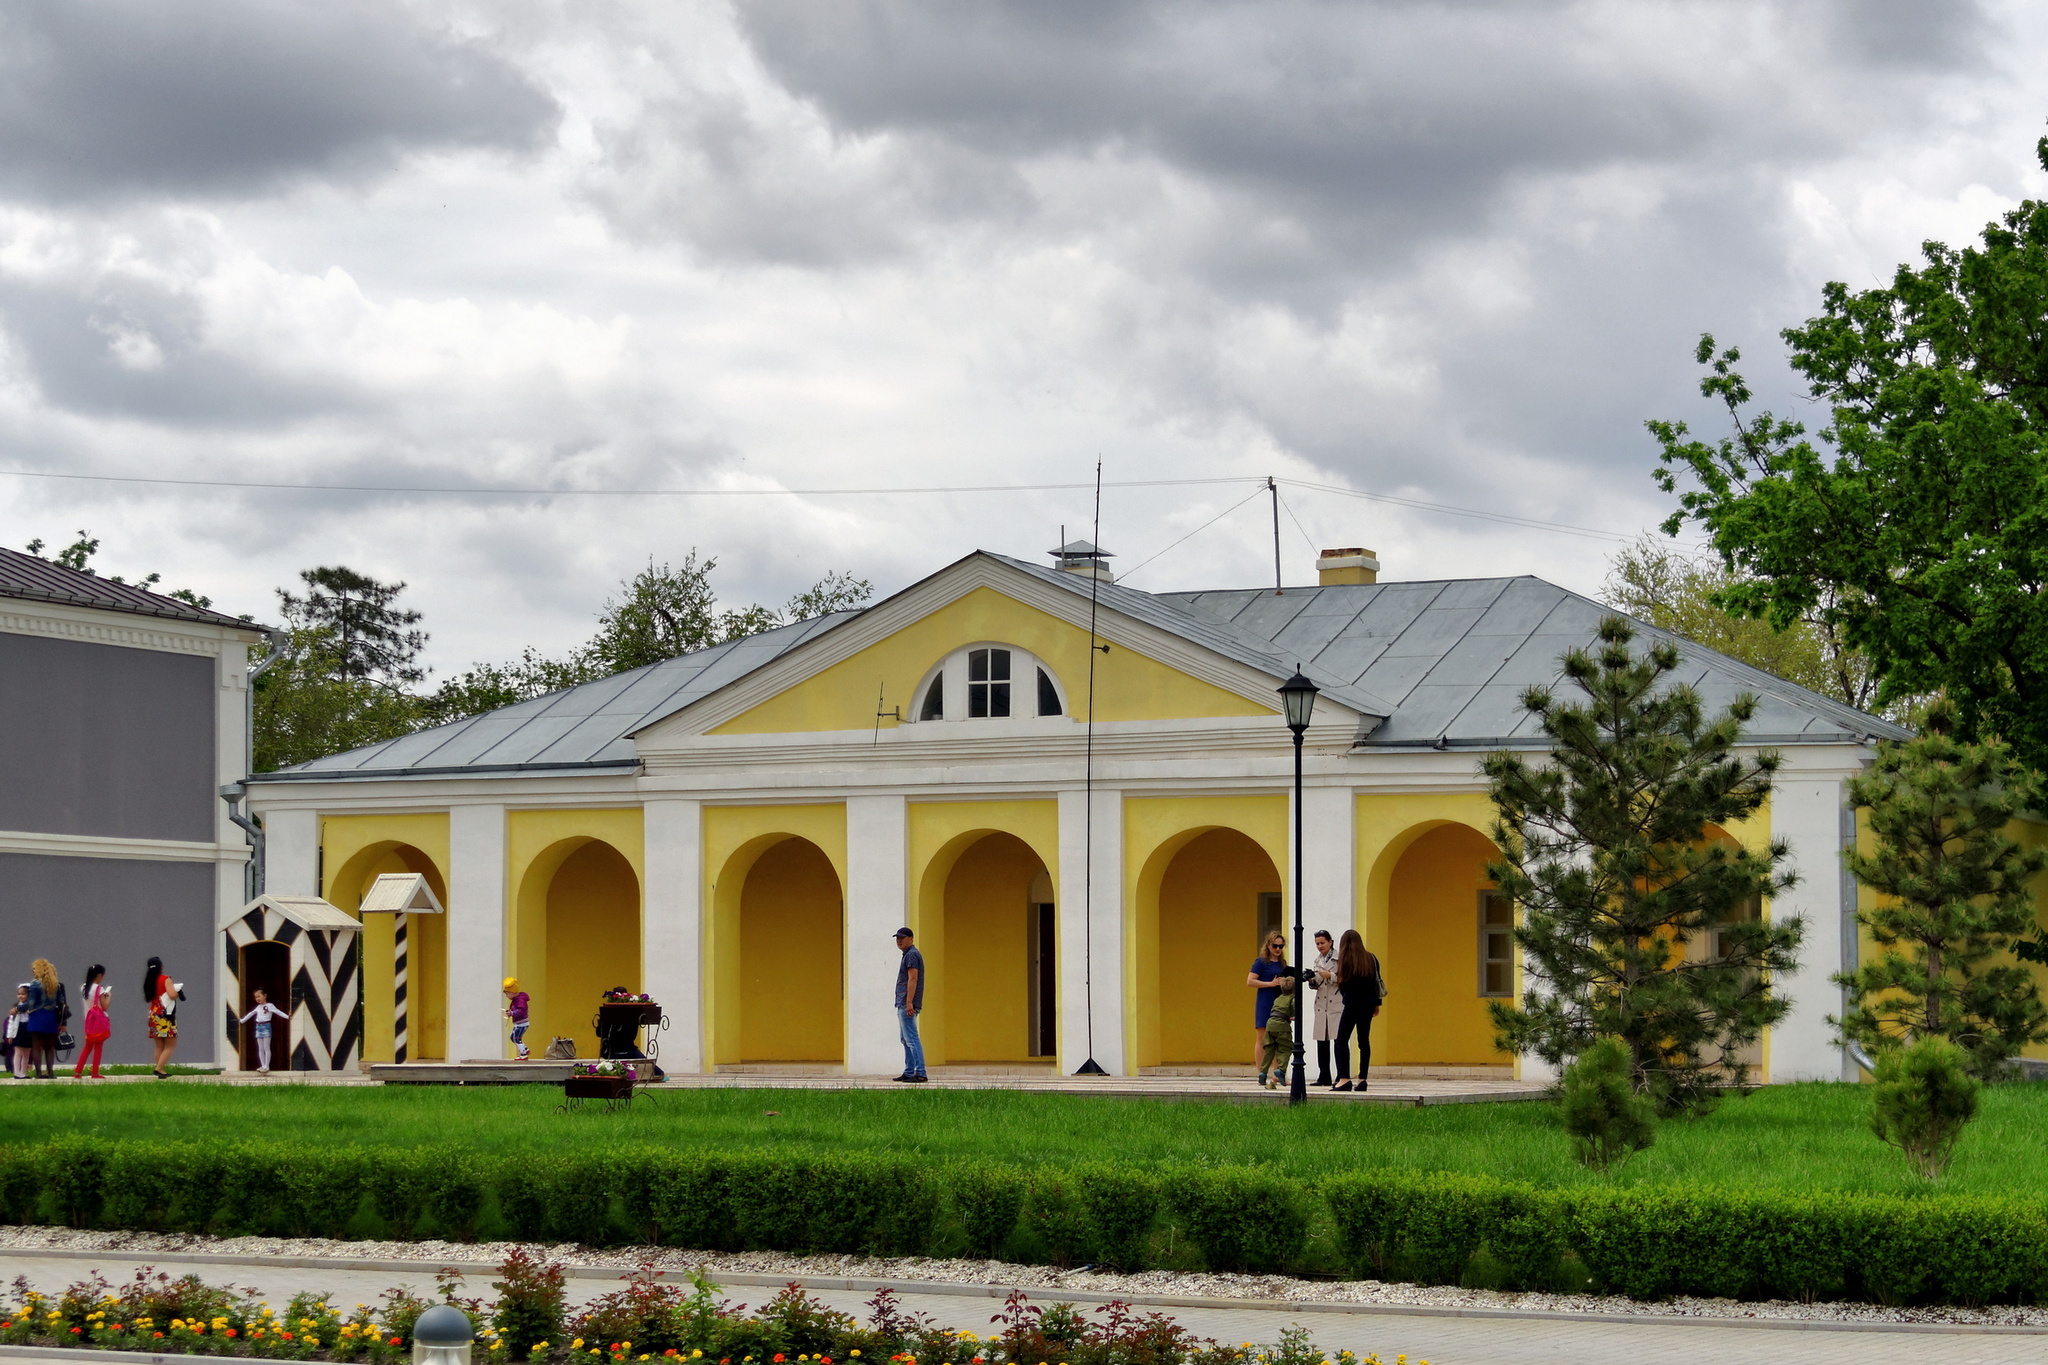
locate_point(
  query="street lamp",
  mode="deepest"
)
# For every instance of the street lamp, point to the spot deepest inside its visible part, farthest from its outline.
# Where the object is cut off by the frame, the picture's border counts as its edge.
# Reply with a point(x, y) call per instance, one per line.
point(1298, 695)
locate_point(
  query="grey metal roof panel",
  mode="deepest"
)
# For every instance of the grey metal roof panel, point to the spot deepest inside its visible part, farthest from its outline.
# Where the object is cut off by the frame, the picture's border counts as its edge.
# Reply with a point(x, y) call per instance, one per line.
point(1350, 655)
point(1521, 608)
point(585, 724)
point(1435, 631)
point(1307, 636)
point(1213, 633)
point(1427, 711)
point(1394, 676)
point(31, 578)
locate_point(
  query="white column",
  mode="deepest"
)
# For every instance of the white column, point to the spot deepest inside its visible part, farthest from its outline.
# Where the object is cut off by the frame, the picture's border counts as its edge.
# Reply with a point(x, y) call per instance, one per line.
point(1807, 813)
point(476, 933)
point(1329, 864)
point(291, 846)
point(877, 904)
point(1091, 931)
point(672, 927)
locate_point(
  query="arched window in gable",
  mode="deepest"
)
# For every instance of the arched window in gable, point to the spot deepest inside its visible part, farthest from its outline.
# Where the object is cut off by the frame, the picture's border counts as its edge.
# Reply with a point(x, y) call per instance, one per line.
point(989, 682)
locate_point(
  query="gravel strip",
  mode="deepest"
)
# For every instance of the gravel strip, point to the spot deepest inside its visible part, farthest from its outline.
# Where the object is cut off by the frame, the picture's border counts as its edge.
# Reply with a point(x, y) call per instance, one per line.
point(1042, 1282)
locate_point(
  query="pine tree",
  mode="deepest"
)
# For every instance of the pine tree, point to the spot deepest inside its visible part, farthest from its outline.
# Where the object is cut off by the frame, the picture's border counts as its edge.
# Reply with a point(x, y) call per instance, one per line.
point(1635, 922)
point(1952, 898)
point(364, 637)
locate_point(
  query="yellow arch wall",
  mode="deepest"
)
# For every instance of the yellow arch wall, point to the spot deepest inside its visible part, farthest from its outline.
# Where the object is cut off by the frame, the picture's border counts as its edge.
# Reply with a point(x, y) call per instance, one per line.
point(354, 851)
point(735, 838)
point(1128, 685)
point(592, 941)
point(537, 844)
point(1434, 1014)
point(938, 833)
point(1155, 830)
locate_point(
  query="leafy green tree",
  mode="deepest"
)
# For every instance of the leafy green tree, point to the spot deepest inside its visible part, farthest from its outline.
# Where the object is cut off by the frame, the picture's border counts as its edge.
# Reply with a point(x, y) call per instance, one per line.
point(1608, 1122)
point(1953, 899)
point(1918, 526)
point(1654, 581)
point(1635, 923)
point(660, 613)
point(305, 710)
point(1923, 1098)
point(78, 555)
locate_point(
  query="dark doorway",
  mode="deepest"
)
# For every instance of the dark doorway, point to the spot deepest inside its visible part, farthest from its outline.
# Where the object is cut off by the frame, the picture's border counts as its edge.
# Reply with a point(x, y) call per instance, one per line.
point(266, 967)
point(1045, 1010)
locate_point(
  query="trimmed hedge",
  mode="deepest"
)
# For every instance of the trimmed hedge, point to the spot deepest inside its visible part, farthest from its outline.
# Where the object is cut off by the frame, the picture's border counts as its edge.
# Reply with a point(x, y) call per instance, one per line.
point(1647, 1242)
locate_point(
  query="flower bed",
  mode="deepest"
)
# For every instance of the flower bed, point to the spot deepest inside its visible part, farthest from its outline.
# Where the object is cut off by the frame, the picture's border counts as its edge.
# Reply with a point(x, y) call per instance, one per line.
point(647, 1319)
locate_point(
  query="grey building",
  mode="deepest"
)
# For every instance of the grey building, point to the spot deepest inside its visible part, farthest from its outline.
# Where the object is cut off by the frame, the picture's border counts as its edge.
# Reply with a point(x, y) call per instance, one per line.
point(122, 713)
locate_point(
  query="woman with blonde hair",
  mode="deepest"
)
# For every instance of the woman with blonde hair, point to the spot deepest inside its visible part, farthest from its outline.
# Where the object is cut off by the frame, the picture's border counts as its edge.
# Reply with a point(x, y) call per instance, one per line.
point(47, 1011)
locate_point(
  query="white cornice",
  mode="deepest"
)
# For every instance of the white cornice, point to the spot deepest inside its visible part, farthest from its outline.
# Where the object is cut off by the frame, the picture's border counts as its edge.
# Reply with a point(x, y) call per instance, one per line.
point(941, 590)
point(107, 846)
point(19, 616)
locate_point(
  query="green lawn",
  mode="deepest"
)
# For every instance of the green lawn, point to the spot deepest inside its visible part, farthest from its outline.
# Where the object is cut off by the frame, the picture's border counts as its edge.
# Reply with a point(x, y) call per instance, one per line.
point(1793, 1137)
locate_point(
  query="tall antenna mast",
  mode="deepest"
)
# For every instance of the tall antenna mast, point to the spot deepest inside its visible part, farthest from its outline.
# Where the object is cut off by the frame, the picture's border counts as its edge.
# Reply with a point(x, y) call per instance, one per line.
point(1090, 1067)
point(1274, 489)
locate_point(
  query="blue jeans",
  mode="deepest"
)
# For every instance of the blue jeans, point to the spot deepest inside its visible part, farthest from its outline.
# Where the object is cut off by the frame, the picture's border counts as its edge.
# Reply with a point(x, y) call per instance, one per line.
point(913, 1050)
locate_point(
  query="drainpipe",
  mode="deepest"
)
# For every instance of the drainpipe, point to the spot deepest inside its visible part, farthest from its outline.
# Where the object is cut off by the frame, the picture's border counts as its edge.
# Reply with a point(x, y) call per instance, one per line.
point(233, 792)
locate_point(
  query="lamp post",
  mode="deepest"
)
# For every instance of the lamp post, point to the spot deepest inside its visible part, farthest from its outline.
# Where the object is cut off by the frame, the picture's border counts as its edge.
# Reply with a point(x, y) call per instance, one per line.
point(1298, 695)
point(442, 1336)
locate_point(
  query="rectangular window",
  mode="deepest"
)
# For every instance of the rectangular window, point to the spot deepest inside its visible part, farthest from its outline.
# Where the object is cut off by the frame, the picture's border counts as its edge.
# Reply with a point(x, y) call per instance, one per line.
point(1496, 944)
point(1269, 916)
point(988, 683)
point(1748, 912)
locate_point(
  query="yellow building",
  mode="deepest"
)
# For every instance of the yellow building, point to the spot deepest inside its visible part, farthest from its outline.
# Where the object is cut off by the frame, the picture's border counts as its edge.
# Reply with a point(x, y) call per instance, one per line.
point(739, 831)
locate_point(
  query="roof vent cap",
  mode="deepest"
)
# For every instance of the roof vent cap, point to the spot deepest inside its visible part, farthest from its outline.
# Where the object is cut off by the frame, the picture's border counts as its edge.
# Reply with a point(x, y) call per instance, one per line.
point(1081, 557)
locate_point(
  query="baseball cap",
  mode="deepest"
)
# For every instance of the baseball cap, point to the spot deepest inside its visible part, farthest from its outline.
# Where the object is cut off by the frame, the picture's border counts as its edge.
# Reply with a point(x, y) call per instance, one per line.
point(904, 932)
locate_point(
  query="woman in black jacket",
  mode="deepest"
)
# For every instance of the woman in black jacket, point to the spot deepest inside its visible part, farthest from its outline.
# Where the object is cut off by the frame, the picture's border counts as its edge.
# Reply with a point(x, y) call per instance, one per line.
point(1361, 987)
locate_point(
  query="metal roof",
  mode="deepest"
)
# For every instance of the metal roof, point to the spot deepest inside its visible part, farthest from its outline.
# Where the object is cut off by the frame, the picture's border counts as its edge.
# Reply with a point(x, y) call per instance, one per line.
point(1444, 663)
point(1452, 657)
point(581, 727)
point(35, 579)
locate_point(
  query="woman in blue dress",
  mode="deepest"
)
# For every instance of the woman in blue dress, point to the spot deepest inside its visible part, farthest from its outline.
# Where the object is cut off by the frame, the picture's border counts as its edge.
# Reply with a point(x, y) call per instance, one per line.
point(1267, 968)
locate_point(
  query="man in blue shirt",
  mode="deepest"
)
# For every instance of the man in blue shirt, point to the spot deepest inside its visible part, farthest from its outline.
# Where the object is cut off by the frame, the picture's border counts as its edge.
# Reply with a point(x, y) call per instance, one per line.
point(909, 1000)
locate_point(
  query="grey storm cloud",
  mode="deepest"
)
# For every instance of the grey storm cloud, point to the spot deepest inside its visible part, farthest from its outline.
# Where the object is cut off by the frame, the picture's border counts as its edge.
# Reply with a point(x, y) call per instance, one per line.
point(1372, 123)
point(104, 98)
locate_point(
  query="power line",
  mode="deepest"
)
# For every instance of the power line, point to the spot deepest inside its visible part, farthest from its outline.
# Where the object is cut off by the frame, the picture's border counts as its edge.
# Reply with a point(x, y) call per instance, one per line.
point(1197, 531)
point(471, 490)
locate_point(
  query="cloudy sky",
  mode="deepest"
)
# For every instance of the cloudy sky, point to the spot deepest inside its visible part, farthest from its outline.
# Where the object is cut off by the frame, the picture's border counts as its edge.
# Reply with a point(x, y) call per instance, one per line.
point(1448, 253)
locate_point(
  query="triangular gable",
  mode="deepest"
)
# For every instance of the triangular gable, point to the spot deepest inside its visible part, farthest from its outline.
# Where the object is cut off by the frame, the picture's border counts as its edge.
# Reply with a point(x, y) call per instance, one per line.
point(400, 893)
point(831, 684)
point(308, 912)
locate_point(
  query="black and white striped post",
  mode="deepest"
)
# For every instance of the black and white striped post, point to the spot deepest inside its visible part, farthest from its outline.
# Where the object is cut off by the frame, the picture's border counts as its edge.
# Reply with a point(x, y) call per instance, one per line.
point(400, 895)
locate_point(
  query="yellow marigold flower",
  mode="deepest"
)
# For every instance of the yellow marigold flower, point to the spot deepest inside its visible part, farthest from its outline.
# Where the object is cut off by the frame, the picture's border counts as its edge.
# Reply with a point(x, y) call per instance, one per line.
point(576, 1345)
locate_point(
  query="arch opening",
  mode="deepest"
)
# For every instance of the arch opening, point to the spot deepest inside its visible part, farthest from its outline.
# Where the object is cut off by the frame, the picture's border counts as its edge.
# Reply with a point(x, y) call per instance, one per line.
point(578, 937)
point(1446, 952)
point(989, 934)
point(1206, 898)
point(426, 954)
point(781, 951)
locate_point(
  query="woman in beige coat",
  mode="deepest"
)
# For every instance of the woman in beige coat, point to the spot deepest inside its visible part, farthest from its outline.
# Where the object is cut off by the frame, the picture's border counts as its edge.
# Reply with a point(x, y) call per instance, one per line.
point(1329, 1005)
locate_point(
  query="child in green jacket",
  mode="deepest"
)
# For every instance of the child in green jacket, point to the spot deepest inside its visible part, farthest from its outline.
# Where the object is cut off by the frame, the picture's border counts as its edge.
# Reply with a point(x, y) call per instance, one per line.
point(1279, 1035)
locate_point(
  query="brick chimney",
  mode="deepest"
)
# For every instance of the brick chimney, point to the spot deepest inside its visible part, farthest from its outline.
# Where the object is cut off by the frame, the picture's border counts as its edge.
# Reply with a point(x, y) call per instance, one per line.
point(1351, 564)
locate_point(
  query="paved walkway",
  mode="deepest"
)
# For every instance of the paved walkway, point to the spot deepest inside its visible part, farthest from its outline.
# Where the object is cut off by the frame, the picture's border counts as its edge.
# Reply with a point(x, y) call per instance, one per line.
point(1392, 1089)
point(1441, 1337)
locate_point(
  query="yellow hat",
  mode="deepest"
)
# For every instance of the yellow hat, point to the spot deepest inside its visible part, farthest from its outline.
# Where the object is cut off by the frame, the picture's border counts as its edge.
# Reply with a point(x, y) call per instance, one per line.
point(510, 982)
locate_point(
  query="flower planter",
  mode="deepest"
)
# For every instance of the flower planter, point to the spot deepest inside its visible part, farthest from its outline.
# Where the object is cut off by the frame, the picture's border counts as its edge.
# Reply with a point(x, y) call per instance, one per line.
point(633, 1013)
point(598, 1087)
